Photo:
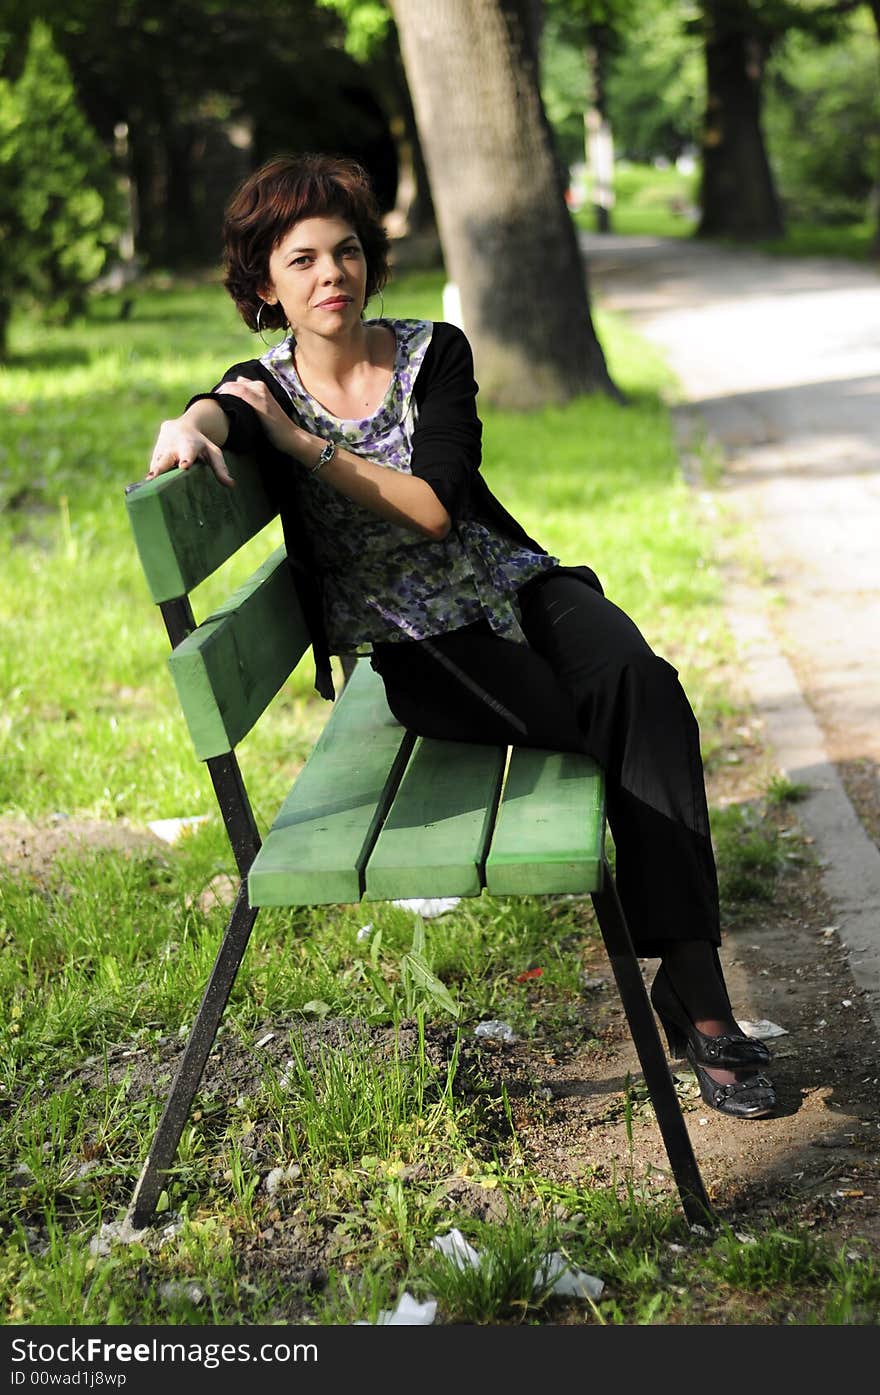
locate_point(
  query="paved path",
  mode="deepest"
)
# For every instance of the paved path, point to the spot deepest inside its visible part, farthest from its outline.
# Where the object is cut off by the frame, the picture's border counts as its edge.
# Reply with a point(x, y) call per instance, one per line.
point(780, 359)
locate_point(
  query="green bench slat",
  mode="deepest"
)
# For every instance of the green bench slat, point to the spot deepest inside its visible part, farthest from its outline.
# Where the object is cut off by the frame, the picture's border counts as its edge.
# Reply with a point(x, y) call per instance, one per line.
point(186, 524)
point(228, 669)
point(434, 839)
point(550, 827)
point(317, 848)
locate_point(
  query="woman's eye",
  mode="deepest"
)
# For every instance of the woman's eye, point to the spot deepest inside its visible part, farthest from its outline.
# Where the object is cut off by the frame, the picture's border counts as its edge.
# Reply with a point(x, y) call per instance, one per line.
point(351, 252)
point(299, 261)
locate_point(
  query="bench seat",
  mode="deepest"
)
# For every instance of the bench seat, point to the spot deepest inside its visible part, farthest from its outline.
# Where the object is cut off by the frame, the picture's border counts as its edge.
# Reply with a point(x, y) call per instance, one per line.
point(379, 814)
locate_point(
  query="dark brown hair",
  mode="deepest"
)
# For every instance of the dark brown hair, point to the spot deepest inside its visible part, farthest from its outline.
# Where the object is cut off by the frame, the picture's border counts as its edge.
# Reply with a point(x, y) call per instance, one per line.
point(282, 192)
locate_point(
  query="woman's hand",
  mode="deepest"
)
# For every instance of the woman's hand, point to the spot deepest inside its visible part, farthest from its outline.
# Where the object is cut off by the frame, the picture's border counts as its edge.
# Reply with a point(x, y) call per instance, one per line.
point(179, 444)
point(279, 428)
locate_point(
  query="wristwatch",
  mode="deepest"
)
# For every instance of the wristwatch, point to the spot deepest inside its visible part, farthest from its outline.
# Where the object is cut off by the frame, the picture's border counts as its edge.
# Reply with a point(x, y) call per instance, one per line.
point(325, 457)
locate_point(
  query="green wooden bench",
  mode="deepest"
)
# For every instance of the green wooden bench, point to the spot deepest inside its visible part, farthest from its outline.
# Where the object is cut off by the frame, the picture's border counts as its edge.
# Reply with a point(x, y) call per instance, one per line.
point(376, 813)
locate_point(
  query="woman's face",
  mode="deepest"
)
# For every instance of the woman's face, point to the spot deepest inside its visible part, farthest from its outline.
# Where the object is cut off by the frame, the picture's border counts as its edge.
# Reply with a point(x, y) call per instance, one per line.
point(319, 274)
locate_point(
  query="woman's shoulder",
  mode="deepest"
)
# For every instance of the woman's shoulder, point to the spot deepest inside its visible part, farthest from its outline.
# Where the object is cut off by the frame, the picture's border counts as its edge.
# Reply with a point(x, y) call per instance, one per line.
point(448, 362)
point(442, 332)
point(248, 368)
point(448, 349)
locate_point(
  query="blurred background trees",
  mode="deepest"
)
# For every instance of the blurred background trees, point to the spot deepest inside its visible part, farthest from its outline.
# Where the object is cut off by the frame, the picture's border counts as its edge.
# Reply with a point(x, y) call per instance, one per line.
point(735, 119)
point(58, 212)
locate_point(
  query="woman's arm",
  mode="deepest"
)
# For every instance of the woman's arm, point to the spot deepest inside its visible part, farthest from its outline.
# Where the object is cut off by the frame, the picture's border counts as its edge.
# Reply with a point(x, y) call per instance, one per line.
point(196, 435)
point(208, 422)
point(447, 441)
point(401, 498)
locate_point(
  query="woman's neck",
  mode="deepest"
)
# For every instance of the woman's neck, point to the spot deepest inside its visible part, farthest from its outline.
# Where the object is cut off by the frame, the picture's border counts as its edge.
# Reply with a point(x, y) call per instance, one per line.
point(334, 360)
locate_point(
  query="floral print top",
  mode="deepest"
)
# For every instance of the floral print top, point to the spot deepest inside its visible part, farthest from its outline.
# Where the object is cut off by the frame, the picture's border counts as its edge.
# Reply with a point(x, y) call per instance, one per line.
point(380, 581)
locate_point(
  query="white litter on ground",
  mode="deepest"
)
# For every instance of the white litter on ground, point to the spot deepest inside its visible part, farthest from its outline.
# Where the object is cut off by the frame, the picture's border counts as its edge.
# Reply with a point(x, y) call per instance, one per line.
point(281, 1177)
point(454, 1246)
point(365, 931)
point(555, 1269)
point(762, 1028)
point(567, 1282)
point(495, 1031)
point(110, 1231)
point(169, 830)
point(174, 1290)
point(408, 1313)
point(429, 908)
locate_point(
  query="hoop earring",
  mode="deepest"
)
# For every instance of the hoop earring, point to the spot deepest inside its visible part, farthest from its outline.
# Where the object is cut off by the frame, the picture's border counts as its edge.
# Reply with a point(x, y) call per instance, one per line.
point(259, 317)
point(263, 304)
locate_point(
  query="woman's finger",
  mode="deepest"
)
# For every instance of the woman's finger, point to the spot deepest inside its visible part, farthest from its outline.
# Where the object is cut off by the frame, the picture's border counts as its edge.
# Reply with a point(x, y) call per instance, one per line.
point(214, 456)
point(166, 460)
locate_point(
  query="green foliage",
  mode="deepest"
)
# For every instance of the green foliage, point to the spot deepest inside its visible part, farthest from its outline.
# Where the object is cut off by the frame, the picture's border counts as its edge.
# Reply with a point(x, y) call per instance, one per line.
point(654, 76)
point(750, 856)
point(414, 987)
point(656, 86)
point(659, 201)
point(781, 790)
point(367, 23)
point(512, 1278)
point(822, 117)
point(57, 199)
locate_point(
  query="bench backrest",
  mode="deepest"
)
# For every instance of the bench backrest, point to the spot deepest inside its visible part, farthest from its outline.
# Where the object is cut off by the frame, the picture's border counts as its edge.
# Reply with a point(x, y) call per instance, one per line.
point(228, 668)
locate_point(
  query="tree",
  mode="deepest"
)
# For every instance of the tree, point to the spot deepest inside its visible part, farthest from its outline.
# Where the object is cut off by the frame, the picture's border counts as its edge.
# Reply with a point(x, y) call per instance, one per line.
point(737, 195)
point(822, 121)
point(508, 240)
point(207, 90)
point(656, 88)
point(58, 215)
point(587, 32)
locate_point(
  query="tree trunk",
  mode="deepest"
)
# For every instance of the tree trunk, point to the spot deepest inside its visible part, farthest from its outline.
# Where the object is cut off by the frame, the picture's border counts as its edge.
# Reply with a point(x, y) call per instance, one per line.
point(144, 148)
point(737, 194)
point(599, 143)
point(182, 249)
point(508, 240)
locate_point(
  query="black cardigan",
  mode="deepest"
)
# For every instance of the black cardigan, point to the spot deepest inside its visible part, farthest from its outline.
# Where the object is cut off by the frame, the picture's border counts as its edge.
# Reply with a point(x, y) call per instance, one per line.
point(446, 453)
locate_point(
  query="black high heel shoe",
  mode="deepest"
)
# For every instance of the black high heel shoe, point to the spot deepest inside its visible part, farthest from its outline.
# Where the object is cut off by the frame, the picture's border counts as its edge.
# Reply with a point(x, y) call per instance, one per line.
point(752, 1098)
point(732, 1052)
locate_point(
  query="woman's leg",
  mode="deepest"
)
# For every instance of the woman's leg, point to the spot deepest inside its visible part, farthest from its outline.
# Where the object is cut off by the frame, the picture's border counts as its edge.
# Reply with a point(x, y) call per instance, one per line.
point(589, 681)
point(637, 721)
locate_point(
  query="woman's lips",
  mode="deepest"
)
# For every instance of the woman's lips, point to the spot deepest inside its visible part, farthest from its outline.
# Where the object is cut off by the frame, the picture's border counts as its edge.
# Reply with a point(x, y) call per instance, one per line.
point(336, 302)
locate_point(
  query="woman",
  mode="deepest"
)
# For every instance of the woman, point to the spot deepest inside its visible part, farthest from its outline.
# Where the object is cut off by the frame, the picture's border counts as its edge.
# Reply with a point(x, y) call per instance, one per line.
point(368, 431)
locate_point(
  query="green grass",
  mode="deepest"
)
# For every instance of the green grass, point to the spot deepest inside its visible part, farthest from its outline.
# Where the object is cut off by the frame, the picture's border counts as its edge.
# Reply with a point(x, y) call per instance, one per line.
point(648, 201)
point(106, 952)
point(664, 203)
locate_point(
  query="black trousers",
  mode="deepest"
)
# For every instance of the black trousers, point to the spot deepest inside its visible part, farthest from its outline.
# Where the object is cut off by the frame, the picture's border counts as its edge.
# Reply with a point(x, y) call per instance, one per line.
point(586, 681)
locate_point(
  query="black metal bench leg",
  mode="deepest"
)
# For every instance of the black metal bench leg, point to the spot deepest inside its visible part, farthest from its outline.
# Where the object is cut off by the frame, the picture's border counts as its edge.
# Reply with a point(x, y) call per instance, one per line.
point(192, 1064)
point(646, 1038)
